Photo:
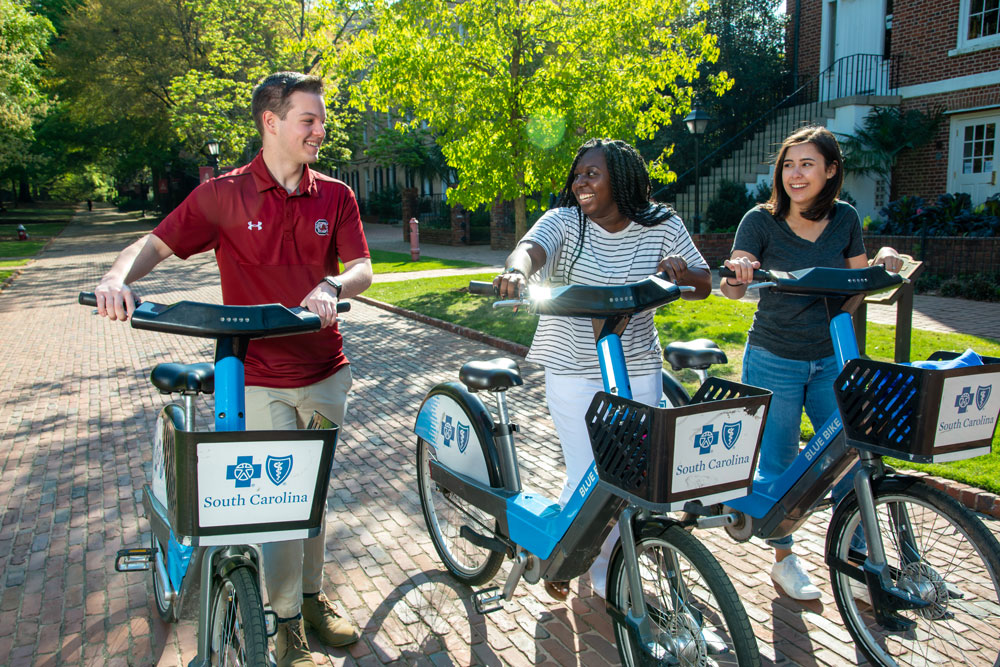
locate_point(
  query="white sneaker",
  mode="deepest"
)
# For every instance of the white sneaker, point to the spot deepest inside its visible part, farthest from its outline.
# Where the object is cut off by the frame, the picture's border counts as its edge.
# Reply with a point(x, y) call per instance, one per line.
point(793, 579)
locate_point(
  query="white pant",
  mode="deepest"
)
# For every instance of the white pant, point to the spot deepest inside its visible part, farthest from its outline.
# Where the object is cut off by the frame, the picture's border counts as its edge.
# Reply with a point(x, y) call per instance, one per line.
point(568, 398)
point(296, 566)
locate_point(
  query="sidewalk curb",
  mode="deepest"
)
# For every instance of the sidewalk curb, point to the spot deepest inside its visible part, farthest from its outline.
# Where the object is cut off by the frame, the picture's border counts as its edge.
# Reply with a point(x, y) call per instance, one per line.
point(975, 499)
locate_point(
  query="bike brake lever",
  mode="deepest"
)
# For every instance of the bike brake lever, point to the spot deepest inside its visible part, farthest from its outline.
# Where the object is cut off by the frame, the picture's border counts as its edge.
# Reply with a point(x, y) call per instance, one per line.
point(509, 303)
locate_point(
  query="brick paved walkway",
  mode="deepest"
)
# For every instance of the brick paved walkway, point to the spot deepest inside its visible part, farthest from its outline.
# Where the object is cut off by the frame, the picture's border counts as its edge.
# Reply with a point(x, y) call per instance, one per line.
point(76, 413)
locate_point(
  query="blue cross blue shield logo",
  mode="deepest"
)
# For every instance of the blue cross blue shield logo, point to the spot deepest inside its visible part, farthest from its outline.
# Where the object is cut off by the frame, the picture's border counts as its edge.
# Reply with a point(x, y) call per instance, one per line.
point(278, 468)
point(463, 437)
point(731, 433)
point(447, 431)
point(244, 472)
point(963, 400)
point(983, 395)
point(704, 441)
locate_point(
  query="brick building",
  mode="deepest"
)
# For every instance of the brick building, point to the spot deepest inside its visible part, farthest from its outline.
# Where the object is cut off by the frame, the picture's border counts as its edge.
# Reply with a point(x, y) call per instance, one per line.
point(946, 55)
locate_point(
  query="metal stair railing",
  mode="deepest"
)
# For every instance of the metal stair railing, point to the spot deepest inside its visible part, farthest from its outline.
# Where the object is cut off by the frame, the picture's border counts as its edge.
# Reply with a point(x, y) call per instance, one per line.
point(738, 158)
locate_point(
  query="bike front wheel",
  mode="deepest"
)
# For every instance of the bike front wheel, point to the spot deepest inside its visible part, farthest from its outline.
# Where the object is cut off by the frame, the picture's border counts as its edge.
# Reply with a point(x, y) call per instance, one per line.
point(937, 550)
point(238, 633)
point(445, 514)
point(695, 614)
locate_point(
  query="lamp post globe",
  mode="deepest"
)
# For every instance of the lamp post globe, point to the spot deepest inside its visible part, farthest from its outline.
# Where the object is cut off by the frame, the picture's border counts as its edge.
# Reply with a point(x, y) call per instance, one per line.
point(697, 122)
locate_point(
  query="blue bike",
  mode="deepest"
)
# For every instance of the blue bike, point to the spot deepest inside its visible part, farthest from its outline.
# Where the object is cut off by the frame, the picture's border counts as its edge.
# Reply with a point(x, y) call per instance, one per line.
point(924, 586)
point(216, 496)
point(669, 599)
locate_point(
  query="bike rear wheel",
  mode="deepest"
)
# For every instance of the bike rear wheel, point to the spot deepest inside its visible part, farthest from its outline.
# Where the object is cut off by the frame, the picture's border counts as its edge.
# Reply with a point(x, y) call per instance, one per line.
point(696, 616)
point(938, 550)
point(238, 633)
point(445, 514)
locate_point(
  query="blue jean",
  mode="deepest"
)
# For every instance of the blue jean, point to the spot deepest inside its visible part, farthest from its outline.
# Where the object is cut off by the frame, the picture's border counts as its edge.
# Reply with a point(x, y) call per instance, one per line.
point(794, 384)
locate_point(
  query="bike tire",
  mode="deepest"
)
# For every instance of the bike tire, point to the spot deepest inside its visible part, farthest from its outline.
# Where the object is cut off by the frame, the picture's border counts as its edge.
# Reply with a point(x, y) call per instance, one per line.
point(238, 632)
point(958, 555)
point(698, 614)
point(445, 514)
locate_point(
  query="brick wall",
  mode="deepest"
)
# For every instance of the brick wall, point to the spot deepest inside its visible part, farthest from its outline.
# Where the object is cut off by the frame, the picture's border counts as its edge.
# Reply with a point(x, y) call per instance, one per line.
point(810, 31)
point(923, 171)
point(923, 31)
point(715, 248)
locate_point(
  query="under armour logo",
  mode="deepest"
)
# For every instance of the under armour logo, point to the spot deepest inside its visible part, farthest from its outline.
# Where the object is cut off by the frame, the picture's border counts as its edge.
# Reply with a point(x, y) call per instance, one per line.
point(255, 225)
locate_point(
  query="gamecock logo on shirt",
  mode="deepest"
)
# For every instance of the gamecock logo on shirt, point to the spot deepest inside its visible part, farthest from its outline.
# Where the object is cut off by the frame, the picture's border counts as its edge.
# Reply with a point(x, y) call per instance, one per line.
point(322, 227)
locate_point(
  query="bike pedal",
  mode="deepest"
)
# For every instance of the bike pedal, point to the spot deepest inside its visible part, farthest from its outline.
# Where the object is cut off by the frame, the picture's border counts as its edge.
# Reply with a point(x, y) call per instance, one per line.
point(133, 560)
point(487, 600)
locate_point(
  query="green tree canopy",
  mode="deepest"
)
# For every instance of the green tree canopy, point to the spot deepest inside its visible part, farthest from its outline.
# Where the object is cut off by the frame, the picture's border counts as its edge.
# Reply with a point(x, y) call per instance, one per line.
point(24, 38)
point(511, 88)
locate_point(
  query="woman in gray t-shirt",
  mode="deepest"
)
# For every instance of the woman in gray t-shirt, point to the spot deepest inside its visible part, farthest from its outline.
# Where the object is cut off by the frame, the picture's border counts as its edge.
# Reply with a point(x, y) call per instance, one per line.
point(789, 350)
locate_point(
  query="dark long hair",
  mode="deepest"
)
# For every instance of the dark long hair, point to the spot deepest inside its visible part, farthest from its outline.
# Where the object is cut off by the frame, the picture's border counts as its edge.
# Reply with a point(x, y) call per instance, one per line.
point(630, 188)
point(779, 204)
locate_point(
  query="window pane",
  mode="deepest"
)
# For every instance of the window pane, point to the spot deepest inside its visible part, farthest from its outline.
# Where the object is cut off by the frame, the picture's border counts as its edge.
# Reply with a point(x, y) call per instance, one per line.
point(975, 26)
point(966, 166)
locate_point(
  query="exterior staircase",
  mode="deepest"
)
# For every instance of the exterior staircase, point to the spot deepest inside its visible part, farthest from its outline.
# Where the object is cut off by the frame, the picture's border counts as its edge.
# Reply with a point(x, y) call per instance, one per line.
point(748, 156)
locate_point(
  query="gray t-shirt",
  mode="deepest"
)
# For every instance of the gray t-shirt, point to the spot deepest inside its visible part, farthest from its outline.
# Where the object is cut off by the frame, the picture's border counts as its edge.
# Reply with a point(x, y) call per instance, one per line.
point(788, 325)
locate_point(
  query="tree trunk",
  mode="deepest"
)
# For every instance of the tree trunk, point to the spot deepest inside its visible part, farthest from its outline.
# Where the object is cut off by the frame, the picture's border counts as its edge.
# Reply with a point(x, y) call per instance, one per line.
point(24, 190)
point(520, 218)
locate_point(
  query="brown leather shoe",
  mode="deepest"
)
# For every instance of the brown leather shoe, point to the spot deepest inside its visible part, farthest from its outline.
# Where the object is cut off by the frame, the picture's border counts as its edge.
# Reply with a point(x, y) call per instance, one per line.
point(332, 628)
point(557, 590)
point(290, 646)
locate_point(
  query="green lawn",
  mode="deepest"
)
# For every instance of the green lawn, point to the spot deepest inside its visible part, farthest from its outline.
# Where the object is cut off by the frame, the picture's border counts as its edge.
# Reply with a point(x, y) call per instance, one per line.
point(8, 267)
point(384, 261)
point(21, 248)
point(724, 321)
point(35, 229)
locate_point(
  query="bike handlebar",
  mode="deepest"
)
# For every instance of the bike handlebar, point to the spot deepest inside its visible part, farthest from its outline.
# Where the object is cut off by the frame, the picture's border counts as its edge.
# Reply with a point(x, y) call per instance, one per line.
point(826, 281)
point(593, 301)
point(209, 320)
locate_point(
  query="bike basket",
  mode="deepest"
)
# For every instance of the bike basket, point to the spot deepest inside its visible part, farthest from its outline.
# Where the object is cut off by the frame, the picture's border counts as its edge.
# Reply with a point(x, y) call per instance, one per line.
point(238, 487)
point(919, 414)
point(662, 458)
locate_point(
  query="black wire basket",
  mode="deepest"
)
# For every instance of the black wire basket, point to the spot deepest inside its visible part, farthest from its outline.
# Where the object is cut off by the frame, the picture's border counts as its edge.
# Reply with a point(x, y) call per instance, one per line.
point(919, 414)
point(663, 458)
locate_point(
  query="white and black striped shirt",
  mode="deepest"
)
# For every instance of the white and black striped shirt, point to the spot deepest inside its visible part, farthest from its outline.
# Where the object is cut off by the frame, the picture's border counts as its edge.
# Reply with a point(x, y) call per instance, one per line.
point(565, 345)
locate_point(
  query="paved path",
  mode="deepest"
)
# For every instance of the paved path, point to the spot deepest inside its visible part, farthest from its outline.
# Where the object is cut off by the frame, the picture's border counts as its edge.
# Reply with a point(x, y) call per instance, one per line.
point(76, 410)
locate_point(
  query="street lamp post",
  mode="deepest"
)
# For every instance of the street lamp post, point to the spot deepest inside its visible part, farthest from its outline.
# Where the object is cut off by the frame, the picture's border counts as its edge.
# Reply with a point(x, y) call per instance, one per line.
point(697, 122)
point(212, 148)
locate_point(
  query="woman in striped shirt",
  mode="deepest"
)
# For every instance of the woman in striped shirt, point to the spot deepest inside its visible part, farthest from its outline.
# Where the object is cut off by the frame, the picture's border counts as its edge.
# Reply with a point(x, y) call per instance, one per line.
point(604, 231)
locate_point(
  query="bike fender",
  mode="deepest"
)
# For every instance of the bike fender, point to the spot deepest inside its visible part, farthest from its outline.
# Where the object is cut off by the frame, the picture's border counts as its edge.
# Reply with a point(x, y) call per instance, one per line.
point(457, 424)
point(887, 484)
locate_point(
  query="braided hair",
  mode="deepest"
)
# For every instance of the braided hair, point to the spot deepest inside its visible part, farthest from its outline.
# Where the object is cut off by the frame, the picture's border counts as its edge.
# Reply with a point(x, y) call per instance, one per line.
point(630, 188)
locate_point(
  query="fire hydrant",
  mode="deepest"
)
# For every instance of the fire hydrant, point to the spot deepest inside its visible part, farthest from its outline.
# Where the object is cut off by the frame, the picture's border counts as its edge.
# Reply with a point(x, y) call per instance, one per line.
point(22, 233)
point(414, 240)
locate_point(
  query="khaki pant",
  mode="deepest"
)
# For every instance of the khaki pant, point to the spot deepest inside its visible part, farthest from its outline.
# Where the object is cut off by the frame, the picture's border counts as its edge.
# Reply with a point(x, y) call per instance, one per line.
point(296, 566)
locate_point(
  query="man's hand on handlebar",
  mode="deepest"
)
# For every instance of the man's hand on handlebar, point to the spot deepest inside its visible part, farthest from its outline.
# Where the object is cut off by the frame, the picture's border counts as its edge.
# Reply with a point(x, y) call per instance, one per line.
point(115, 300)
point(322, 301)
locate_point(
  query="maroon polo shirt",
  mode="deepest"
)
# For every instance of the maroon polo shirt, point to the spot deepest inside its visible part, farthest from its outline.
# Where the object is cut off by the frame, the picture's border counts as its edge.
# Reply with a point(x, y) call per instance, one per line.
point(273, 247)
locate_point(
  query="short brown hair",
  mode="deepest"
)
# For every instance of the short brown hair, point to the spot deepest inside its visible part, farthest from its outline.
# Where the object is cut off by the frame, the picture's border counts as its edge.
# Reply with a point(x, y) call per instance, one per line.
point(779, 204)
point(273, 92)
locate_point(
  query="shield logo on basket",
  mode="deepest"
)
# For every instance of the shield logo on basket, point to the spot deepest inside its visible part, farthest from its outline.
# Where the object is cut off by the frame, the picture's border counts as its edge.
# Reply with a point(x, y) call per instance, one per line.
point(278, 468)
point(731, 433)
point(983, 395)
point(463, 437)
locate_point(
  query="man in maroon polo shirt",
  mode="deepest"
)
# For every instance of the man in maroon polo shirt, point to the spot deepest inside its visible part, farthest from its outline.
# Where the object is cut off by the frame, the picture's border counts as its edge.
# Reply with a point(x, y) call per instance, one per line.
point(278, 230)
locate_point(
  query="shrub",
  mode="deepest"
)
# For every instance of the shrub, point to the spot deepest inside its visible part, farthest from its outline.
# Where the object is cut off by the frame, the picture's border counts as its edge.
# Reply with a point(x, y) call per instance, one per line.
point(951, 215)
point(731, 202)
point(976, 286)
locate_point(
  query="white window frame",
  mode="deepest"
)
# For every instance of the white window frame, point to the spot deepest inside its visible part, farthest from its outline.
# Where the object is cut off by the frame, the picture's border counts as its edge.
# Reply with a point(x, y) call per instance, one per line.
point(965, 45)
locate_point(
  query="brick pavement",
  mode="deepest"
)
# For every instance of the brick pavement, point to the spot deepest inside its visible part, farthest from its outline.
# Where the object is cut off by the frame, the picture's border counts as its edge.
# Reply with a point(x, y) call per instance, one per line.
point(76, 410)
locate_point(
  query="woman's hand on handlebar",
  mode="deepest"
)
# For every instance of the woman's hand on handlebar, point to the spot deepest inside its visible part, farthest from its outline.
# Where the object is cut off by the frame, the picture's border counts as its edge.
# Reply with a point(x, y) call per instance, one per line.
point(743, 268)
point(674, 266)
point(890, 259)
point(510, 284)
point(115, 300)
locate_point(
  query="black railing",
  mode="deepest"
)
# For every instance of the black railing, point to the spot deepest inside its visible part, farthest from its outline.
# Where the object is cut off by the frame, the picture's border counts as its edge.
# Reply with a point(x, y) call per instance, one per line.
point(861, 74)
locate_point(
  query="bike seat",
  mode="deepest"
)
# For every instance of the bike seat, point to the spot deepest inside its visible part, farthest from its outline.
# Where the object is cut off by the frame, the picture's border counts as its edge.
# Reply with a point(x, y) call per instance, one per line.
point(184, 378)
point(698, 354)
point(494, 375)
